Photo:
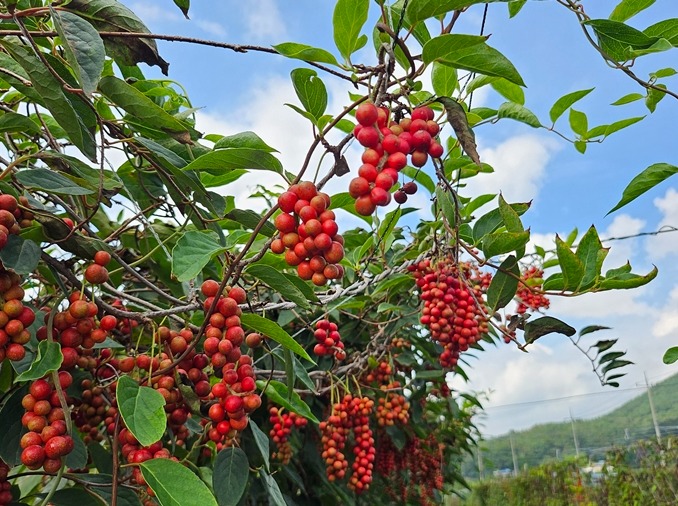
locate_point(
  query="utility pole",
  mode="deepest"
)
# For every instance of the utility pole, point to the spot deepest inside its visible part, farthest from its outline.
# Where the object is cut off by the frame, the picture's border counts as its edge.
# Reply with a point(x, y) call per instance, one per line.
point(574, 435)
point(513, 454)
point(652, 410)
point(480, 465)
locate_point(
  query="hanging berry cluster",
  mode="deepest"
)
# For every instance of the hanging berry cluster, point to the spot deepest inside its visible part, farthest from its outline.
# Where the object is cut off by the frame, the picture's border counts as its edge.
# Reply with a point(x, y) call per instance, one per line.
point(528, 300)
point(12, 217)
point(15, 318)
point(134, 453)
point(453, 305)
point(351, 414)
point(392, 408)
point(46, 443)
point(387, 147)
point(282, 424)
point(5, 485)
point(329, 340)
point(309, 235)
point(91, 410)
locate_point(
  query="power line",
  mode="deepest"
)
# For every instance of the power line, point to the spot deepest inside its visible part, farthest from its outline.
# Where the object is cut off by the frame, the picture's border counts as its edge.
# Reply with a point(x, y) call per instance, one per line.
point(525, 403)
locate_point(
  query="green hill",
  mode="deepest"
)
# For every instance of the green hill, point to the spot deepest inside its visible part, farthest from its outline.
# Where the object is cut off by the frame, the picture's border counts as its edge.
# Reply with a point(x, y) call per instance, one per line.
point(630, 422)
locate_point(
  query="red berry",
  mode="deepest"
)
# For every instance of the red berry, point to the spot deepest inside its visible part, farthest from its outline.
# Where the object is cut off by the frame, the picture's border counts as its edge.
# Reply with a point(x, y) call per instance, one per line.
point(366, 114)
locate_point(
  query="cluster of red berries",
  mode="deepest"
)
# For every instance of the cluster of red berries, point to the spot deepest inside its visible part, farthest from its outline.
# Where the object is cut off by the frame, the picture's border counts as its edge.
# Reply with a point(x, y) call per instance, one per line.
point(309, 235)
point(46, 442)
point(134, 453)
point(235, 393)
point(454, 310)
point(393, 407)
point(329, 340)
point(15, 318)
point(5, 485)
point(352, 414)
point(527, 299)
point(76, 328)
point(387, 147)
point(91, 410)
point(282, 424)
point(12, 217)
point(97, 273)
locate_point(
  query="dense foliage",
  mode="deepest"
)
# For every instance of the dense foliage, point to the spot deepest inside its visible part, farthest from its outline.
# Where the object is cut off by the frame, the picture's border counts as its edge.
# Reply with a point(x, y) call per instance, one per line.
point(152, 333)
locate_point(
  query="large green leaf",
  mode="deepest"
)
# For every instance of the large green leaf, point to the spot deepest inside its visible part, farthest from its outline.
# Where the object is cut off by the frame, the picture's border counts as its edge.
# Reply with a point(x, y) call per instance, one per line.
point(11, 427)
point(273, 331)
point(274, 493)
point(305, 52)
point(563, 103)
point(48, 359)
point(591, 253)
point(504, 284)
point(224, 160)
point(518, 112)
point(670, 355)
point(261, 440)
point(535, 329)
point(348, 20)
point(245, 139)
point(277, 280)
point(492, 220)
point(665, 29)
point(279, 394)
point(619, 40)
point(231, 473)
point(193, 251)
point(626, 9)
point(84, 48)
point(510, 91)
point(499, 243)
point(113, 16)
point(50, 181)
point(420, 10)
point(469, 52)
point(623, 278)
point(444, 79)
point(311, 91)
point(20, 255)
point(142, 410)
point(645, 181)
point(12, 122)
point(174, 484)
point(570, 265)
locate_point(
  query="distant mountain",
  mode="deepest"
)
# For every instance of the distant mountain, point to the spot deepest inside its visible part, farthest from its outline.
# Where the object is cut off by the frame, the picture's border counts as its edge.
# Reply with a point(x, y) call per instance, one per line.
point(630, 422)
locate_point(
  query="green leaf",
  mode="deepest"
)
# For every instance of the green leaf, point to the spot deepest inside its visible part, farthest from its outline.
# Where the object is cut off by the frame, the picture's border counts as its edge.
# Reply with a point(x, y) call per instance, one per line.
point(618, 40)
point(626, 280)
point(535, 329)
point(262, 441)
point(278, 393)
point(167, 155)
point(571, 266)
point(470, 52)
point(174, 484)
point(477, 203)
point(518, 112)
point(249, 219)
point(274, 494)
point(183, 5)
point(113, 16)
point(447, 205)
point(609, 357)
point(665, 72)
point(665, 29)
point(276, 280)
point(492, 220)
point(421, 10)
point(48, 359)
point(420, 177)
point(306, 53)
point(627, 99)
point(231, 473)
point(75, 495)
point(591, 254)
point(77, 459)
point(444, 79)
point(273, 331)
point(245, 139)
point(628, 8)
point(126, 496)
point(11, 122)
point(192, 252)
point(671, 355)
point(50, 181)
point(311, 91)
point(654, 96)
point(150, 115)
point(616, 364)
point(503, 287)
point(102, 458)
point(11, 427)
point(509, 216)
point(503, 242)
point(514, 7)
point(223, 160)
point(578, 122)
point(20, 255)
point(604, 345)
point(348, 19)
point(563, 103)
point(618, 125)
point(645, 181)
point(142, 410)
point(84, 48)
point(510, 91)
point(54, 98)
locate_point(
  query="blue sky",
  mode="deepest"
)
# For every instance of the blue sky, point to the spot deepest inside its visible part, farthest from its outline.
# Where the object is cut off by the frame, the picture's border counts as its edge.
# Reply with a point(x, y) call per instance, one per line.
point(246, 92)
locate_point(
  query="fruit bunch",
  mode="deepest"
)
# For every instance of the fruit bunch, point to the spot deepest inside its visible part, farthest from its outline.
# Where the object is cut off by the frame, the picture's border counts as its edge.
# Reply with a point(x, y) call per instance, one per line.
point(392, 407)
point(528, 300)
point(46, 442)
point(12, 217)
point(387, 147)
point(15, 318)
point(351, 414)
point(93, 409)
point(329, 340)
point(282, 424)
point(454, 310)
point(309, 234)
point(97, 273)
point(5, 485)
point(134, 453)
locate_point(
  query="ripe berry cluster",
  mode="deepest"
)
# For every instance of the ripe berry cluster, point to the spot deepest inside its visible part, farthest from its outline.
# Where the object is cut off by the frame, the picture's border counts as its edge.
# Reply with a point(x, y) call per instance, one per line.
point(309, 234)
point(46, 442)
point(387, 147)
point(453, 305)
point(5, 485)
point(97, 273)
point(393, 407)
point(15, 318)
point(282, 424)
point(352, 414)
point(235, 393)
point(329, 340)
point(92, 409)
point(77, 329)
point(12, 217)
point(527, 299)
point(134, 453)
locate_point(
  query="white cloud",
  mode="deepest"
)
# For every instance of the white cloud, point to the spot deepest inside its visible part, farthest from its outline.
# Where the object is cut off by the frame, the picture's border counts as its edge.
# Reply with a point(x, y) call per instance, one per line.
point(663, 245)
point(264, 20)
point(623, 225)
point(667, 321)
point(151, 14)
